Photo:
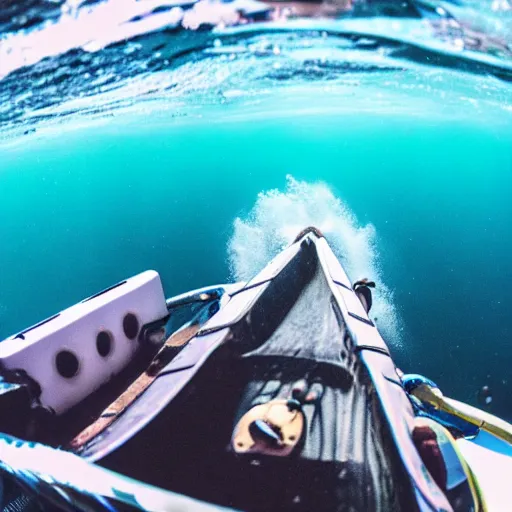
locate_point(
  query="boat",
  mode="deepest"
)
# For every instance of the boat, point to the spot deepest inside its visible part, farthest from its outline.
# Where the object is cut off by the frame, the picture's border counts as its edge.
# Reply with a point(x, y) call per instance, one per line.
point(274, 394)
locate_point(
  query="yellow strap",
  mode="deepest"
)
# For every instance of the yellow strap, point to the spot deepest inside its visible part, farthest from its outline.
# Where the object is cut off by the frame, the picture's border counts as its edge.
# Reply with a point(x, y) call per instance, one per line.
point(481, 419)
point(475, 489)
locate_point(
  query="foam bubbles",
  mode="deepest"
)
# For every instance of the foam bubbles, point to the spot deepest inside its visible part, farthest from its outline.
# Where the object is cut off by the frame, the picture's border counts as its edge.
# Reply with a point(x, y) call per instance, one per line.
point(278, 216)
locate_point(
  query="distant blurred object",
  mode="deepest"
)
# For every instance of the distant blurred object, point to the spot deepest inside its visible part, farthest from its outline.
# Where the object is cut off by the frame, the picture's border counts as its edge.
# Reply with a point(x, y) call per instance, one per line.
point(218, 13)
point(501, 5)
point(211, 13)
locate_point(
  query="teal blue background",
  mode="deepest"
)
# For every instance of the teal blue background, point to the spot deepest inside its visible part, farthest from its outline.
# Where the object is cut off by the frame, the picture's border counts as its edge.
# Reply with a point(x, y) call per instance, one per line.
point(83, 208)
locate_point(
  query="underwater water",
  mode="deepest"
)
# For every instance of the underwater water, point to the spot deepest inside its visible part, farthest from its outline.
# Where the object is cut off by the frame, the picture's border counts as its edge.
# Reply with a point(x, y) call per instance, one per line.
point(204, 169)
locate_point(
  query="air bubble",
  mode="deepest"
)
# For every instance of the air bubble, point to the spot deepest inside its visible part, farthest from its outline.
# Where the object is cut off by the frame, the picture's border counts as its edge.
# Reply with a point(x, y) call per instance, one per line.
point(485, 396)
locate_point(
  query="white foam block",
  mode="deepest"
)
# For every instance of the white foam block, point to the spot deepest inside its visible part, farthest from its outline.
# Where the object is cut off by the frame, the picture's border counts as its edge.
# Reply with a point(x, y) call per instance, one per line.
point(75, 330)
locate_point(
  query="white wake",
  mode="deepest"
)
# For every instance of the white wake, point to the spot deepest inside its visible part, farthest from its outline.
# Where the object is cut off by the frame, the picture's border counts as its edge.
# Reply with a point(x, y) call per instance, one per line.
point(278, 216)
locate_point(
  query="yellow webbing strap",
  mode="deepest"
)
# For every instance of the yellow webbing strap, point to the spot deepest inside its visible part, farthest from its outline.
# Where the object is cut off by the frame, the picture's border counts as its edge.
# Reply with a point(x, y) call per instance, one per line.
point(481, 419)
point(444, 437)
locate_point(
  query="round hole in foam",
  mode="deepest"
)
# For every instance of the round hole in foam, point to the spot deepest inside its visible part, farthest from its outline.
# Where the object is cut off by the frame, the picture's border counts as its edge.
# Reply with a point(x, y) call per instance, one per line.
point(130, 326)
point(104, 343)
point(67, 364)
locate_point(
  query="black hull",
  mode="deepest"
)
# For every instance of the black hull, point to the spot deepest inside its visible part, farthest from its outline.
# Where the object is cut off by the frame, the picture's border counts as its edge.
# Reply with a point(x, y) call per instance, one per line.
point(285, 325)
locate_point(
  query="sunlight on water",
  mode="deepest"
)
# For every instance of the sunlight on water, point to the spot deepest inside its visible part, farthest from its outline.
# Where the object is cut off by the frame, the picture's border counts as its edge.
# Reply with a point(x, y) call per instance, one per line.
point(278, 216)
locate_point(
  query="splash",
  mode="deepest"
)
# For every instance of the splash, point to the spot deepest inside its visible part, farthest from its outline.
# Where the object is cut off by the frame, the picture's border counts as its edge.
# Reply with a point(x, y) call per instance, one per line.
point(278, 216)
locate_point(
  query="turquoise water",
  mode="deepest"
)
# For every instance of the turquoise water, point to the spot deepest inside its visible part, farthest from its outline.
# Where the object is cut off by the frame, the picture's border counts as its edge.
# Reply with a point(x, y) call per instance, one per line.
point(431, 201)
point(408, 172)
